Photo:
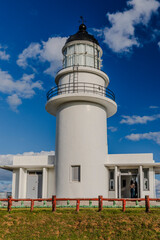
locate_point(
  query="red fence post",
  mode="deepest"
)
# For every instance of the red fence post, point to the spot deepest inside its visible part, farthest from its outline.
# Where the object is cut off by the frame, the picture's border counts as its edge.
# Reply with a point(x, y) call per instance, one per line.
point(32, 205)
point(124, 205)
point(53, 203)
point(77, 205)
point(9, 203)
point(147, 203)
point(100, 199)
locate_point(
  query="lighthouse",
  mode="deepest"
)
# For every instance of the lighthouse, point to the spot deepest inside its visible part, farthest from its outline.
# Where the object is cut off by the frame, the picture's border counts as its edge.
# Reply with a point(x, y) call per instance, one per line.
point(81, 166)
point(81, 103)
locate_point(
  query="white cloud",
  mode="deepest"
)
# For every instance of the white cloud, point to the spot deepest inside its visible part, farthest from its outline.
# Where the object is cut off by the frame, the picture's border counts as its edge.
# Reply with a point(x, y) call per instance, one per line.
point(112, 129)
point(159, 44)
point(14, 101)
point(22, 88)
point(120, 37)
point(52, 52)
point(6, 82)
point(3, 54)
point(153, 107)
point(5, 186)
point(49, 51)
point(155, 136)
point(130, 120)
point(32, 51)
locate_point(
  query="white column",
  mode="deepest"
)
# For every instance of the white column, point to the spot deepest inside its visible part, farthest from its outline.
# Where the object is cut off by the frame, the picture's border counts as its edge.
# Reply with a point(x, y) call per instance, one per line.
point(151, 182)
point(115, 180)
point(20, 189)
point(22, 183)
point(140, 181)
point(44, 183)
point(154, 184)
point(13, 184)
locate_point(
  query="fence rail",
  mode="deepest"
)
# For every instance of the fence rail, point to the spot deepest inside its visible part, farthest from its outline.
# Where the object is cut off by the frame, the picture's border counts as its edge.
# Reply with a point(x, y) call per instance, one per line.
point(100, 200)
point(80, 87)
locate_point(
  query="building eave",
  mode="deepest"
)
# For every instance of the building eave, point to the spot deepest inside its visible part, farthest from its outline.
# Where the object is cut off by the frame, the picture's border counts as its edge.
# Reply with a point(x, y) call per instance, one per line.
point(12, 167)
point(157, 165)
point(132, 164)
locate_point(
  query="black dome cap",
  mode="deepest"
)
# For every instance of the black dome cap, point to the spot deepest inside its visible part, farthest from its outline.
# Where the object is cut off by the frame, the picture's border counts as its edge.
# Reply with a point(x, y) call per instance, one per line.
point(82, 34)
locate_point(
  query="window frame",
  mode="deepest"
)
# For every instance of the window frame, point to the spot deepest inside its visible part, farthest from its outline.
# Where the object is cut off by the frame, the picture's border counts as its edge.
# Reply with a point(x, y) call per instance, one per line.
point(71, 173)
point(111, 180)
point(145, 179)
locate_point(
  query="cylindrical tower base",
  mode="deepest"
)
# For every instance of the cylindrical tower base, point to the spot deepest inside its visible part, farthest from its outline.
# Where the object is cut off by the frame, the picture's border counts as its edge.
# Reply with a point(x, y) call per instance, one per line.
point(81, 141)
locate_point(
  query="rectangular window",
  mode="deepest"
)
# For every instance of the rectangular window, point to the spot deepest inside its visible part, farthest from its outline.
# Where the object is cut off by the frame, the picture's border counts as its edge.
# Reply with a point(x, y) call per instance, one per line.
point(111, 180)
point(146, 179)
point(76, 173)
point(124, 183)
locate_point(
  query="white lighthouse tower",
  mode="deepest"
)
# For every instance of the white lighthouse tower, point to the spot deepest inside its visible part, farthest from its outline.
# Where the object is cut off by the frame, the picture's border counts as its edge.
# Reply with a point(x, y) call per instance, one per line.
point(81, 103)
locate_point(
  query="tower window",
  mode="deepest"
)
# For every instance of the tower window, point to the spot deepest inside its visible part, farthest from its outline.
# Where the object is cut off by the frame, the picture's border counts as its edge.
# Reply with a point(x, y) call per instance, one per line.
point(75, 173)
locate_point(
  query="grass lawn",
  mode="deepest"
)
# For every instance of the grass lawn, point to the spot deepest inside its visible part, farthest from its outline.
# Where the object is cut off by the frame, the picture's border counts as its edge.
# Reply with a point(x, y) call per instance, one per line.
point(87, 224)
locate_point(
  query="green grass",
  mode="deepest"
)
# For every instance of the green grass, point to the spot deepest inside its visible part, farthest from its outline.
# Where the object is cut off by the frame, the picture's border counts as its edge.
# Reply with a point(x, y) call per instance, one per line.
point(87, 224)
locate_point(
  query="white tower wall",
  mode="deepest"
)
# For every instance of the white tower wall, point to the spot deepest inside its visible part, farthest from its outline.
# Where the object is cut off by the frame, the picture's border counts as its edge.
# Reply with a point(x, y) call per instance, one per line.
point(81, 139)
point(82, 74)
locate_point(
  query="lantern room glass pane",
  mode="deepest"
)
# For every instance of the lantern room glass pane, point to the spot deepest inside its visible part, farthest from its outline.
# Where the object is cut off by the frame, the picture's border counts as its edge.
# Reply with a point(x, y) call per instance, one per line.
point(80, 48)
point(70, 50)
point(90, 61)
point(80, 60)
point(89, 49)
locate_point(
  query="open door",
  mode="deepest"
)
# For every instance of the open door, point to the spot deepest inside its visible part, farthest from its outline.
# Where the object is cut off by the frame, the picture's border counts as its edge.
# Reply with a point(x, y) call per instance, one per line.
point(124, 185)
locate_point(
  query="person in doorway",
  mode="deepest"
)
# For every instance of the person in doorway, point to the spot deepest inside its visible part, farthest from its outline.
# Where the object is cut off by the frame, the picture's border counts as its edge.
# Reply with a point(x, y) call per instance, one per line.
point(132, 189)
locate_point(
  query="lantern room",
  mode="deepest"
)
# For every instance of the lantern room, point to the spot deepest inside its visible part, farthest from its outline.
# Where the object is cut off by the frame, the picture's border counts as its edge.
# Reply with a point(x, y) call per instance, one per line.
point(82, 49)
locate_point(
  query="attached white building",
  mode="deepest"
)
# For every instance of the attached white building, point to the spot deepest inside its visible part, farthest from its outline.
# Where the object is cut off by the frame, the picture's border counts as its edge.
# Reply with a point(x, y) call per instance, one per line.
point(35, 177)
point(82, 167)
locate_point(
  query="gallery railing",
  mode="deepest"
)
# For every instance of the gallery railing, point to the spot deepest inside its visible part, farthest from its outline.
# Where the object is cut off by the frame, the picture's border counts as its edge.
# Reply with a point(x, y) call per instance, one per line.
point(80, 87)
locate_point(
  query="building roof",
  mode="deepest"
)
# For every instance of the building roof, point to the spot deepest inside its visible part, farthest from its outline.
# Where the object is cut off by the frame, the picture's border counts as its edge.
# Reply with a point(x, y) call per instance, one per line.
point(82, 34)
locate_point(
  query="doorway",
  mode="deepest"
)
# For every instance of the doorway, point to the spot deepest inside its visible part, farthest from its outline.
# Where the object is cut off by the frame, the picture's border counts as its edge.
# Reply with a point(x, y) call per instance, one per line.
point(124, 185)
point(34, 184)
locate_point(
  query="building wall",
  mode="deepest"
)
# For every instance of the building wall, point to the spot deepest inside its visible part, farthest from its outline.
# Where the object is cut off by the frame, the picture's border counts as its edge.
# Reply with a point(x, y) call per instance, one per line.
point(151, 191)
point(81, 77)
point(33, 163)
point(51, 183)
point(19, 180)
point(142, 158)
point(33, 160)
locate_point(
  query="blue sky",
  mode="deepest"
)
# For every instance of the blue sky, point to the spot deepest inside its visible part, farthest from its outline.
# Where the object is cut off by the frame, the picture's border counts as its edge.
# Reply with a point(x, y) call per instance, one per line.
point(31, 37)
